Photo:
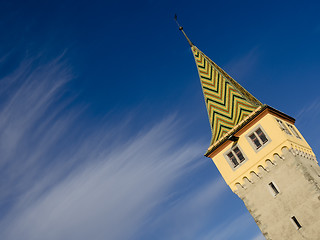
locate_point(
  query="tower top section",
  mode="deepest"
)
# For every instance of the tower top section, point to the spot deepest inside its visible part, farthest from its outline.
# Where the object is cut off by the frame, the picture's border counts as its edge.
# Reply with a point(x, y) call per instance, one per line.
point(229, 105)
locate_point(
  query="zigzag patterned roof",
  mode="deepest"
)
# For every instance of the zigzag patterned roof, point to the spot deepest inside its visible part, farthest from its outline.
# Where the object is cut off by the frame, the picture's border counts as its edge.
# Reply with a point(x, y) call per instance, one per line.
point(228, 103)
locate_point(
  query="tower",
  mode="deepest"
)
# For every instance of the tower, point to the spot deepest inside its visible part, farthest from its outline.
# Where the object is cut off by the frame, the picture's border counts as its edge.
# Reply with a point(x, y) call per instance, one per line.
point(261, 155)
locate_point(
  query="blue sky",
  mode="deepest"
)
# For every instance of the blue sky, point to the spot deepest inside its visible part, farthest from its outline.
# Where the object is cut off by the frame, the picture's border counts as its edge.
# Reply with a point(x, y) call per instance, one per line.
point(102, 119)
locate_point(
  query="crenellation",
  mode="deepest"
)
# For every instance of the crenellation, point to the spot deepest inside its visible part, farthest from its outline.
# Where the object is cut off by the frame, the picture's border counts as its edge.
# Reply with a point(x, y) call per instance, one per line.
point(270, 164)
point(247, 181)
point(296, 171)
point(239, 187)
point(262, 170)
point(254, 176)
point(277, 157)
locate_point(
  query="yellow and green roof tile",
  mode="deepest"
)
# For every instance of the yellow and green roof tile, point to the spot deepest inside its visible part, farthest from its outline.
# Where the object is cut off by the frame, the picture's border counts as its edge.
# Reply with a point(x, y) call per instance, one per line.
point(227, 102)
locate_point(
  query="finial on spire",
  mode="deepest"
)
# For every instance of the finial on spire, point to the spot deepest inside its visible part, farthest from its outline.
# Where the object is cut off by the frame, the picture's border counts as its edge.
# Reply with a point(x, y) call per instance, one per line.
point(181, 29)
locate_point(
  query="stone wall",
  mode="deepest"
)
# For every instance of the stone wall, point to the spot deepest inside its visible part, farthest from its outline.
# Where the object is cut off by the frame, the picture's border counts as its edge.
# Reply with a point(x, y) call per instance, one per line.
point(297, 177)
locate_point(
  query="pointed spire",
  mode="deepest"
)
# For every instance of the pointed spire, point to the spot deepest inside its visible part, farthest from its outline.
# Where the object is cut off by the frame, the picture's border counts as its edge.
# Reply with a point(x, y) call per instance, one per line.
point(228, 104)
point(181, 29)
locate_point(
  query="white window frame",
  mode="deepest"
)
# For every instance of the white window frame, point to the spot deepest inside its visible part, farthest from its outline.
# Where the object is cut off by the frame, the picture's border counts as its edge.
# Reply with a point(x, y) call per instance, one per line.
point(253, 145)
point(294, 131)
point(283, 126)
point(232, 165)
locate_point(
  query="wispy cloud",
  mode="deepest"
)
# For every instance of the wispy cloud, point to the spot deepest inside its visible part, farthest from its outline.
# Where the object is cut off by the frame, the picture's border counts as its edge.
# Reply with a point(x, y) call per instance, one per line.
point(200, 204)
point(240, 67)
point(65, 179)
point(308, 123)
point(115, 191)
point(29, 124)
point(311, 110)
point(234, 228)
point(259, 237)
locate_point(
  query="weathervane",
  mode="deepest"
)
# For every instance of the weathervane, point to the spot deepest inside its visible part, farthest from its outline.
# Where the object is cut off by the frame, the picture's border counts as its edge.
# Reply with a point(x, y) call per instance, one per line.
point(181, 29)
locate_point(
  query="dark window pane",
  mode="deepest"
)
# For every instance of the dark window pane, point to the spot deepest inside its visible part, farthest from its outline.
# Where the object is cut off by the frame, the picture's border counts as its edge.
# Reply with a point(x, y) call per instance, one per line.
point(294, 131)
point(283, 127)
point(233, 159)
point(262, 136)
point(255, 140)
point(239, 154)
point(296, 222)
point(275, 190)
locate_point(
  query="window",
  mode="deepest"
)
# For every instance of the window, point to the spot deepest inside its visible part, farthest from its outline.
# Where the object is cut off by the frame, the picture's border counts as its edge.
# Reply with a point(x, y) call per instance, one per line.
point(235, 156)
point(274, 189)
point(295, 133)
point(283, 127)
point(295, 222)
point(258, 138)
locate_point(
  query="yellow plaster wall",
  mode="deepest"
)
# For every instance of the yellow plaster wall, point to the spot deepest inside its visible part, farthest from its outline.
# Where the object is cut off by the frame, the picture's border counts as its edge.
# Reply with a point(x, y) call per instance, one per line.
point(277, 140)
